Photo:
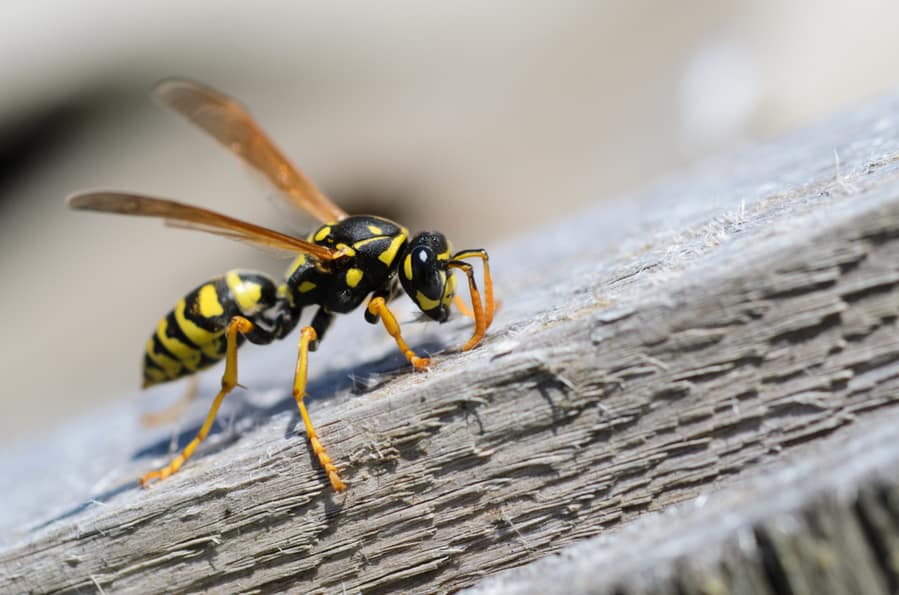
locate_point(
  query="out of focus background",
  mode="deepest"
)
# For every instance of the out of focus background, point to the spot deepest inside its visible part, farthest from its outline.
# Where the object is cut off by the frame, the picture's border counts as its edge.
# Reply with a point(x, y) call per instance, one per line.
point(479, 119)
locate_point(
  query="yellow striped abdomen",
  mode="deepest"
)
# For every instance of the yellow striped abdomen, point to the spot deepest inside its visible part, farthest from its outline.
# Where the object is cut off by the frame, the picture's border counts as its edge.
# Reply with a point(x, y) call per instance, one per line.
point(191, 336)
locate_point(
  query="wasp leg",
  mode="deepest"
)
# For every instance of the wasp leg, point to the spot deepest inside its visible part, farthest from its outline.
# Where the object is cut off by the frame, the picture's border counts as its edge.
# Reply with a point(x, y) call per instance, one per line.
point(481, 320)
point(173, 411)
point(491, 305)
point(307, 336)
point(238, 324)
point(464, 309)
point(377, 308)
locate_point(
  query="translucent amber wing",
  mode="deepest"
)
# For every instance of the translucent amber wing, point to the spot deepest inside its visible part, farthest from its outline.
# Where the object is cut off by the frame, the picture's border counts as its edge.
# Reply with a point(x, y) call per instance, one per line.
point(183, 215)
point(229, 122)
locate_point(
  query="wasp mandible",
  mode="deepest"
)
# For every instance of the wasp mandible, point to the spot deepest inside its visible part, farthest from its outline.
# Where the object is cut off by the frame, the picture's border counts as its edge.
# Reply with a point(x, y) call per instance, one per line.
point(349, 259)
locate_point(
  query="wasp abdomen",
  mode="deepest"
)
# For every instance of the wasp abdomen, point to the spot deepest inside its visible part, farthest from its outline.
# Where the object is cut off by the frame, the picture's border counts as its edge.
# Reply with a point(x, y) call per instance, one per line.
point(191, 336)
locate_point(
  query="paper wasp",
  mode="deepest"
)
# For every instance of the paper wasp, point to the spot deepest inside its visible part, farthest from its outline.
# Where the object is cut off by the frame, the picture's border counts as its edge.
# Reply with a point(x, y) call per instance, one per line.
point(346, 261)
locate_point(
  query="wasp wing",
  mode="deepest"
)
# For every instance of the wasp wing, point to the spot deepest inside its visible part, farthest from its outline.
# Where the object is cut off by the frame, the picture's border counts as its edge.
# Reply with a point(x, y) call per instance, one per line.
point(188, 216)
point(229, 123)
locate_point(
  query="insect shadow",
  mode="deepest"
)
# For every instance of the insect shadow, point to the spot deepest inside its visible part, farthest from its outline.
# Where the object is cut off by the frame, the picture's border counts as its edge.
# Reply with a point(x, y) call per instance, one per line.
point(358, 379)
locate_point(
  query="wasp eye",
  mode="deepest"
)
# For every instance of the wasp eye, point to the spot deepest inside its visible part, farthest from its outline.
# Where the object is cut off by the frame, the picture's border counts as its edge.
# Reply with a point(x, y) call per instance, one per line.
point(422, 260)
point(424, 274)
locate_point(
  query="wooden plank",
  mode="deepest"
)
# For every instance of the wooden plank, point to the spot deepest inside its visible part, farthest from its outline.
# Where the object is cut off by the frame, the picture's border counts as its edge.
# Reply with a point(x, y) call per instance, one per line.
point(822, 522)
point(647, 352)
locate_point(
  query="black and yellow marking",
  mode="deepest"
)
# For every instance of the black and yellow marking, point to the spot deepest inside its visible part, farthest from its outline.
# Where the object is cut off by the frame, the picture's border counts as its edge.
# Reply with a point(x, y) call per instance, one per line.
point(237, 327)
point(191, 336)
point(211, 322)
point(343, 263)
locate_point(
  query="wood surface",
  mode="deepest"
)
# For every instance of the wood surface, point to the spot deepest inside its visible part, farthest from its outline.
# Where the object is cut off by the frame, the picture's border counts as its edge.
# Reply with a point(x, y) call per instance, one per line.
point(714, 332)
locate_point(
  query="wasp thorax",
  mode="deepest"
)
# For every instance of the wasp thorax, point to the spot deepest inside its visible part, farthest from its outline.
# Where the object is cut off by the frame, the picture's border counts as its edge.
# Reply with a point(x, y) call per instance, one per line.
point(425, 276)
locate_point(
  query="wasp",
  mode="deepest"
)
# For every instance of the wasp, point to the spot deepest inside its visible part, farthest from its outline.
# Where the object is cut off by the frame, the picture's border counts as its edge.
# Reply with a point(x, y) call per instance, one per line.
point(348, 260)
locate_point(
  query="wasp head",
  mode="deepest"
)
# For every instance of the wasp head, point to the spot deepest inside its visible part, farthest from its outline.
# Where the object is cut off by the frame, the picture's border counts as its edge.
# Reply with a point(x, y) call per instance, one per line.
point(425, 275)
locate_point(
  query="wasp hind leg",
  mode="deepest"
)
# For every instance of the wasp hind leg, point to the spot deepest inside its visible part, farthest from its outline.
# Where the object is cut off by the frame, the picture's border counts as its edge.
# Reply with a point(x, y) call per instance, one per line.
point(175, 410)
point(238, 324)
point(308, 338)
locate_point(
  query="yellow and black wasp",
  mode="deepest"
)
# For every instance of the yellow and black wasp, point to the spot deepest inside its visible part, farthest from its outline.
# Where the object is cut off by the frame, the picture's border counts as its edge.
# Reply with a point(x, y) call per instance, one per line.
point(344, 262)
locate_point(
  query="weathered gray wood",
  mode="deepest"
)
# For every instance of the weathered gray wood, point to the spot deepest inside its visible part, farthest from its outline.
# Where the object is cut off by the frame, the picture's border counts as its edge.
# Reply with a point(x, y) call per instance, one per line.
point(825, 522)
point(729, 321)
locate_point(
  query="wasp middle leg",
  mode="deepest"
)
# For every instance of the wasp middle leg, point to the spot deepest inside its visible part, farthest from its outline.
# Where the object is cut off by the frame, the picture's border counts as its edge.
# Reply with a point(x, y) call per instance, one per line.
point(308, 338)
point(377, 308)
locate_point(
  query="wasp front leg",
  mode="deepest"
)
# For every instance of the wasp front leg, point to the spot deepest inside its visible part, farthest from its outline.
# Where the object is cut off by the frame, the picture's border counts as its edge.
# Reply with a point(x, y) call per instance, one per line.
point(463, 308)
point(483, 315)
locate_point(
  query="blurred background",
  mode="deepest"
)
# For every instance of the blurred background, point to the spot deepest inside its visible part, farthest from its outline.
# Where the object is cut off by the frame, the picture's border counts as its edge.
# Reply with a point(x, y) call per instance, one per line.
point(478, 119)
